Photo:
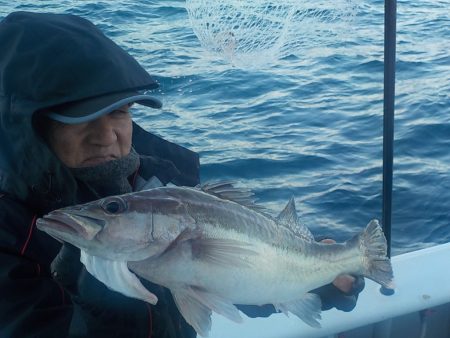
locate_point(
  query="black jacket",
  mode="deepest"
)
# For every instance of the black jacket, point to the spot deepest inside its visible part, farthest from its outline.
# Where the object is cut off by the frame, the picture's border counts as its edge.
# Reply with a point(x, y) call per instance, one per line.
point(46, 60)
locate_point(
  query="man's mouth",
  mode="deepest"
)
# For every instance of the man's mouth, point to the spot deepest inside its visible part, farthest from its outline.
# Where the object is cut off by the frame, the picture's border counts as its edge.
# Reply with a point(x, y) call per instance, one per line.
point(96, 160)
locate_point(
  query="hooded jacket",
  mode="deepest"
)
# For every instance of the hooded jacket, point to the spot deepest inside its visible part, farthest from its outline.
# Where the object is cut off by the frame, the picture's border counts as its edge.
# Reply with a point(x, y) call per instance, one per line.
point(48, 60)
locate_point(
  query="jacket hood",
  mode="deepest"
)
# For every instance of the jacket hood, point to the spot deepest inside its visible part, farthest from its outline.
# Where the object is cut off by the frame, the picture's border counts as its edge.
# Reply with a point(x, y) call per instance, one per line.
point(48, 60)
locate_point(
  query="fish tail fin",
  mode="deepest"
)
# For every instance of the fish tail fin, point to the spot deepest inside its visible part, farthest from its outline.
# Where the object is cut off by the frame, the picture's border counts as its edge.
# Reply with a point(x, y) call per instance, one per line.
point(373, 245)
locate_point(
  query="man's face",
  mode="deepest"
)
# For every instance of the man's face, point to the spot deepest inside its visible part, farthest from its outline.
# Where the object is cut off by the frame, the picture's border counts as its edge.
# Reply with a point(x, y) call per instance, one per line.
point(94, 142)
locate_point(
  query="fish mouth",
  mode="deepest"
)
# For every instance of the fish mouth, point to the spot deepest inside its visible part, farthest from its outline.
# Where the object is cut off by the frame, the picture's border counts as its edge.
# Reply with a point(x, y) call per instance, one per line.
point(66, 226)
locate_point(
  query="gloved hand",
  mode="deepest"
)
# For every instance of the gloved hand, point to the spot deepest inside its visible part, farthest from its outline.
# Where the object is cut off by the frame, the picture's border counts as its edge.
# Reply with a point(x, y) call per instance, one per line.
point(67, 270)
point(332, 296)
point(66, 267)
point(71, 274)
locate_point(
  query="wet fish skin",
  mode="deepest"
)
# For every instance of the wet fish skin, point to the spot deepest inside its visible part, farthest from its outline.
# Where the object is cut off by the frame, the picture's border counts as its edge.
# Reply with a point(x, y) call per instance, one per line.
point(213, 248)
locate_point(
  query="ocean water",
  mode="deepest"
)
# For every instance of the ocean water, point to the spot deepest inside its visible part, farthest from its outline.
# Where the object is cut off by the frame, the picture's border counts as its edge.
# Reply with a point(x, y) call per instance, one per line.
point(308, 125)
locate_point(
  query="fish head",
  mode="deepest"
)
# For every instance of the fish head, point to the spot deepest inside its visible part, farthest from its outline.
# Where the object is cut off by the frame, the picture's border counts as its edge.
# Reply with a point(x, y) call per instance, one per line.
point(125, 227)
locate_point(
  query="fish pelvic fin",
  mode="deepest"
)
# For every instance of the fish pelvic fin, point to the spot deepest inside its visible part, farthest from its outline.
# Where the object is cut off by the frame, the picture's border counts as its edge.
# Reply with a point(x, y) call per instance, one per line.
point(194, 312)
point(377, 266)
point(307, 309)
point(197, 304)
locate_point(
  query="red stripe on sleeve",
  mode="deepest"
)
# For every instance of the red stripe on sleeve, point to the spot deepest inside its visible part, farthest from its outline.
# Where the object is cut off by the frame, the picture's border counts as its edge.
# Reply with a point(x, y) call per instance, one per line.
point(63, 294)
point(30, 233)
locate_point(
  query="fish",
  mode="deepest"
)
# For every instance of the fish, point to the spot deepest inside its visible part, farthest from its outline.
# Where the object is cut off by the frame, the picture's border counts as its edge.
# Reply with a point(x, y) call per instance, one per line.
point(212, 246)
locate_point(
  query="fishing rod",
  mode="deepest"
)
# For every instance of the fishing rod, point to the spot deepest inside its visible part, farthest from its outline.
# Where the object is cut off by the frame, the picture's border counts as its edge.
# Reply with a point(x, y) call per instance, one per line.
point(390, 18)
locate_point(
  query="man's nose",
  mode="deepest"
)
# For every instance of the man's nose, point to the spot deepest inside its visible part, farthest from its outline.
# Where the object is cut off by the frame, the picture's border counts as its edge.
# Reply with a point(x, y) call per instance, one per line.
point(102, 131)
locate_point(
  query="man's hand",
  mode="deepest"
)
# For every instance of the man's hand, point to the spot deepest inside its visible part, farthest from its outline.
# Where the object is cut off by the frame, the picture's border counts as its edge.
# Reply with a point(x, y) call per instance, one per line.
point(66, 267)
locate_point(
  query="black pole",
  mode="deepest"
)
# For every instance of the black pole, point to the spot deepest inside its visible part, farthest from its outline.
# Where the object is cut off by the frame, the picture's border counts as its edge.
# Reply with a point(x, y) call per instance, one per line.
point(390, 14)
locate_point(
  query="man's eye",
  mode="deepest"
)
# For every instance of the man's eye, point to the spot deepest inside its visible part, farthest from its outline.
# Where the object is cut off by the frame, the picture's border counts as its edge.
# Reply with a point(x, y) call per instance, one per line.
point(120, 112)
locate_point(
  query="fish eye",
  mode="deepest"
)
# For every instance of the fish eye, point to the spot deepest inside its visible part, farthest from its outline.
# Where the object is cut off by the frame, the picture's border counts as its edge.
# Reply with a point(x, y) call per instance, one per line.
point(114, 205)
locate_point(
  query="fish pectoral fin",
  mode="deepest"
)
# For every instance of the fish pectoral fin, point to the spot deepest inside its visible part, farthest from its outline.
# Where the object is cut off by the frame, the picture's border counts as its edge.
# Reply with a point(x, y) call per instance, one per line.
point(307, 309)
point(116, 276)
point(197, 314)
point(224, 252)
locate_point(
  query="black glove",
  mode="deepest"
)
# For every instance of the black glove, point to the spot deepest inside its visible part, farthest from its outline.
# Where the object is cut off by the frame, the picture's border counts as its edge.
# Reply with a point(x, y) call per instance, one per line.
point(331, 296)
point(66, 267)
point(86, 290)
point(89, 296)
point(255, 311)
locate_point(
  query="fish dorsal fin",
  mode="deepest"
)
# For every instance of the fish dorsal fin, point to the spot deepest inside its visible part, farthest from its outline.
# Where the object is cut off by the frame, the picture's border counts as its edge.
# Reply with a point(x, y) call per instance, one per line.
point(227, 191)
point(288, 217)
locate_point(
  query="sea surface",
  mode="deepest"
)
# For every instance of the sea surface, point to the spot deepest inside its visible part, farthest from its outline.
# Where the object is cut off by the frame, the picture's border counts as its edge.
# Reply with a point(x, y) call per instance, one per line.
point(308, 125)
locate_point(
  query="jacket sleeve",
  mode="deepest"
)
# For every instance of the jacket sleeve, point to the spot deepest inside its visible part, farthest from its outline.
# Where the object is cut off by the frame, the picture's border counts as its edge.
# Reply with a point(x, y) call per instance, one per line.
point(32, 304)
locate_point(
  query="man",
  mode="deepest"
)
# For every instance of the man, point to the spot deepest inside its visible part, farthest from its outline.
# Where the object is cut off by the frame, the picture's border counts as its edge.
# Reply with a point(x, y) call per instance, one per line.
point(67, 137)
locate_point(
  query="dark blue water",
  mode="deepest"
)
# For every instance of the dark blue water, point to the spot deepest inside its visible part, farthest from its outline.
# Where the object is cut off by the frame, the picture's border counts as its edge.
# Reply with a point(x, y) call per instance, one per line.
point(308, 125)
